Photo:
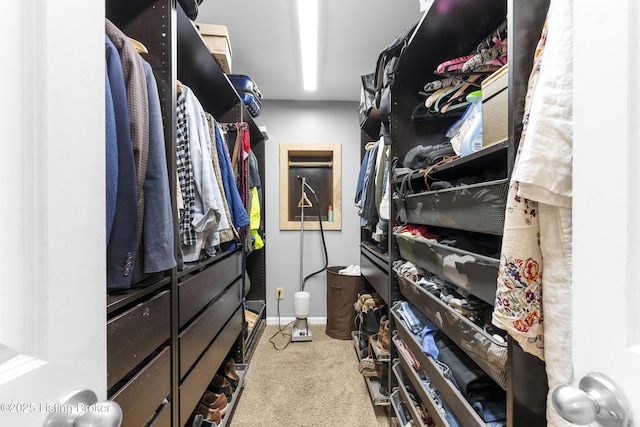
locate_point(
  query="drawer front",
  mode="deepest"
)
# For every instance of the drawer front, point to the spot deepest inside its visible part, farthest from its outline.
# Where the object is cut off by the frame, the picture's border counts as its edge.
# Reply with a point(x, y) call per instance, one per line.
point(196, 382)
point(143, 394)
point(163, 419)
point(125, 349)
point(198, 335)
point(198, 291)
point(377, 277)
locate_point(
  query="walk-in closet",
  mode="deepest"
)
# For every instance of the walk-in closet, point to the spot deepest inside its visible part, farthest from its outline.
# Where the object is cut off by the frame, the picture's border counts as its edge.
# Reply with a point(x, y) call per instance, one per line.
point(225, 213)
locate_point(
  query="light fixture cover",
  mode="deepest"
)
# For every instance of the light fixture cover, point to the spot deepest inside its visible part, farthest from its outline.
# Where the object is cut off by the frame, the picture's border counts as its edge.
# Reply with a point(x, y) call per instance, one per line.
point(308, 25)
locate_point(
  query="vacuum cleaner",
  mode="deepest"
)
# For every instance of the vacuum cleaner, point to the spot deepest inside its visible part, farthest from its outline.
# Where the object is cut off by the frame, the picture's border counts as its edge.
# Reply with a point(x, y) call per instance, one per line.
point(302, 299)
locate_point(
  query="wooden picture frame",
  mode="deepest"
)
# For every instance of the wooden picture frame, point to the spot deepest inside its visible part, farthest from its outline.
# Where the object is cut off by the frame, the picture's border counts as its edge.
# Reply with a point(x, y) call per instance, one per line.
point(321, 166)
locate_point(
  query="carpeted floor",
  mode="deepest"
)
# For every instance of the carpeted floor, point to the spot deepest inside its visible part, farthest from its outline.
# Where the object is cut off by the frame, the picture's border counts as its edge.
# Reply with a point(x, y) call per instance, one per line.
point(307, 384)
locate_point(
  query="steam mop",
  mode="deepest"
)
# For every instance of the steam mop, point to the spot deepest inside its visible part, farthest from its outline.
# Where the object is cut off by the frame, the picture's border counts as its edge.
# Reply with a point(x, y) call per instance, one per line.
point(302, 300)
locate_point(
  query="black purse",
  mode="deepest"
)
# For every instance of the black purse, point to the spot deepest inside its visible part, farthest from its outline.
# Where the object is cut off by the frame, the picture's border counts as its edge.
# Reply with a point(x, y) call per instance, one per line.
point(367, 96)
point(190, 7)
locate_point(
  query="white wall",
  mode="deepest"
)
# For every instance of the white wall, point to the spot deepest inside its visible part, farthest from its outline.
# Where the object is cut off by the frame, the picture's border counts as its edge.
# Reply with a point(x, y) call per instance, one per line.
point(308, 122)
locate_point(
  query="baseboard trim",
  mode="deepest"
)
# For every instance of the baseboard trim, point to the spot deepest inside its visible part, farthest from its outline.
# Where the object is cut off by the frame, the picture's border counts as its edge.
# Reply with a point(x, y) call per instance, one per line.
point(286, 320)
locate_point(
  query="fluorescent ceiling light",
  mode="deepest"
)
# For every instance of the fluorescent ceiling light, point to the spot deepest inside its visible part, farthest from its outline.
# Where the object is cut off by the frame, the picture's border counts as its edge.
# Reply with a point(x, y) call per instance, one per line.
point(308, 24)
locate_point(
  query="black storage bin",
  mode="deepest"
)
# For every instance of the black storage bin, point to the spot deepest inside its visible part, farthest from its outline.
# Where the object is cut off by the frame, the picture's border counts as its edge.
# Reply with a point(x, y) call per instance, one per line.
point(342, 294)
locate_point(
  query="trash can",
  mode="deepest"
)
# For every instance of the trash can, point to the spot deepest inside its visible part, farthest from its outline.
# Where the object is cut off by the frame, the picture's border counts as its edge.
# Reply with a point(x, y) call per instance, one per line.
point(342, 294)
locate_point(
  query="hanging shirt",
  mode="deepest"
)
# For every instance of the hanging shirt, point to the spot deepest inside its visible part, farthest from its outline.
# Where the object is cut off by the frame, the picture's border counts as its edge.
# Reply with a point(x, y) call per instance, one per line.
point(207, 211)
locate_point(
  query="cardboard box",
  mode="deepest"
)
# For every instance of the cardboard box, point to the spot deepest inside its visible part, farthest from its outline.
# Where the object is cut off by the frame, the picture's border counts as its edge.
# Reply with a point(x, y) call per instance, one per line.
point(495, 108)
point(217, 39)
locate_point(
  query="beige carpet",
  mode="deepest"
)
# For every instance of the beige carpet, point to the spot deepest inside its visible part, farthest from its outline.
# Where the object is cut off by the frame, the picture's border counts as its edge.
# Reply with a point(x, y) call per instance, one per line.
point(307, 384)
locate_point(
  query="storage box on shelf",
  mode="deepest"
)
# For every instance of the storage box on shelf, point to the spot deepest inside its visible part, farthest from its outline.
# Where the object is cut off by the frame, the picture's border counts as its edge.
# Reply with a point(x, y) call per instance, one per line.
point(495, 108)
point(217, 40)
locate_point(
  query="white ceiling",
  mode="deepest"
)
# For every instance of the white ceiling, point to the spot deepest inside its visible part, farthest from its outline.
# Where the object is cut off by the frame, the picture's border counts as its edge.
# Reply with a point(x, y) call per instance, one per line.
point(265, 44)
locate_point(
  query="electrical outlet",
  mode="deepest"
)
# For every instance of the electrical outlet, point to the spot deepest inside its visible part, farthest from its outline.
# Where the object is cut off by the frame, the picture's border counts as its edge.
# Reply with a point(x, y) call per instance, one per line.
point(279, 293)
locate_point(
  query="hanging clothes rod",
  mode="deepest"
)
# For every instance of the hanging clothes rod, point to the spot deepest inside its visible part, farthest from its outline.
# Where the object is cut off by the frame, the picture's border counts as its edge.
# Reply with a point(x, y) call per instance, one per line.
point(233, 126)
point(310, 164)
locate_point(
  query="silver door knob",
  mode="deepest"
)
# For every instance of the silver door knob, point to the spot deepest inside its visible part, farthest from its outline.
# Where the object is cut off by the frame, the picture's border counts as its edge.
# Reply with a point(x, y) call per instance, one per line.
point(82, 409)
point(598, 399)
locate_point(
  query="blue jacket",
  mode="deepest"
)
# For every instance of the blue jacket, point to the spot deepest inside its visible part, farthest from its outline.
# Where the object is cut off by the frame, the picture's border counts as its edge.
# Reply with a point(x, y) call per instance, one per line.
point(121, 249)
point(158, 233)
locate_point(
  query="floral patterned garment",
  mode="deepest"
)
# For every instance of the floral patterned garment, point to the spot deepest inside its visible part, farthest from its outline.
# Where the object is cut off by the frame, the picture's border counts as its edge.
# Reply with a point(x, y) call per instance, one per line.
point(518, 305)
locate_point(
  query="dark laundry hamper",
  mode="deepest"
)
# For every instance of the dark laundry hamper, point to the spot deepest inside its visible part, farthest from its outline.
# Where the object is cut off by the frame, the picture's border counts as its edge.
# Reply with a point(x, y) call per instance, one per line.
point(342, 294)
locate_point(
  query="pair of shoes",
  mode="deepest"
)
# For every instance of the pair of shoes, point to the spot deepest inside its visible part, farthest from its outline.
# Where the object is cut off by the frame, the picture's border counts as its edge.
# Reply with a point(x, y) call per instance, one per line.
point(229, 373)
point(369, 367)
point(220, 385)
point(384, 338)
point(209, 414)
point(361, 299)
point(367, 302)
point(215, 401)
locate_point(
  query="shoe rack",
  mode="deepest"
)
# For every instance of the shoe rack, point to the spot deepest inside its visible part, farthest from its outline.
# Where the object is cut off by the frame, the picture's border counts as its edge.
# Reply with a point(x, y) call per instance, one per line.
point(376, 378)
point(169, 337)
point(444, 33)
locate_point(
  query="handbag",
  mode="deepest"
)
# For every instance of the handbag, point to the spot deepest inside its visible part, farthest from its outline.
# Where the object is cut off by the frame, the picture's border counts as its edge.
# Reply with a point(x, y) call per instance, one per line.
point(421, 157)
point(386, 68)
point(190, 7)
point(367, 96)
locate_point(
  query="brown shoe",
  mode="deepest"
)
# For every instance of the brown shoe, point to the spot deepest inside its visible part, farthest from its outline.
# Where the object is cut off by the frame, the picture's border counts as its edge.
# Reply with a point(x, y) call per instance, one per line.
point(220, 385)
point(384, 339)
point(362, 299)
point(215, 401)
point(208, 413)
point(230, 374)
